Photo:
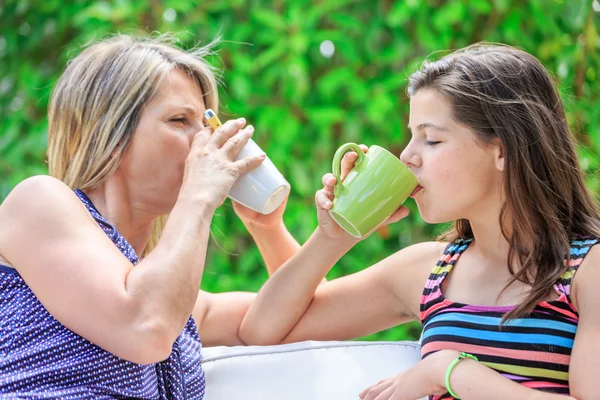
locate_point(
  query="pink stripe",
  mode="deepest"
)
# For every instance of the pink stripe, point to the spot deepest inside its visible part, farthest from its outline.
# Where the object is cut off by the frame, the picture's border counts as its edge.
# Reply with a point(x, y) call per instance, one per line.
point(431, 310)
point(543, 385)
point(539, 356)
point(575, 262)
point(559, 310)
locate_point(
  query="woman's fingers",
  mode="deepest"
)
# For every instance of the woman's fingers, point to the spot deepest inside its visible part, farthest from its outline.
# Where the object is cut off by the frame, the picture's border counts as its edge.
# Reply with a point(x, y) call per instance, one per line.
point(222, 134)
point(247, 164)
point(235, 143)
point(201, 138)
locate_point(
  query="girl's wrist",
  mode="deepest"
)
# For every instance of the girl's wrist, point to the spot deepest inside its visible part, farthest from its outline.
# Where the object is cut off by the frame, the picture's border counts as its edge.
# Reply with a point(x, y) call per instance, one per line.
point(444, 360)
point(262, 229)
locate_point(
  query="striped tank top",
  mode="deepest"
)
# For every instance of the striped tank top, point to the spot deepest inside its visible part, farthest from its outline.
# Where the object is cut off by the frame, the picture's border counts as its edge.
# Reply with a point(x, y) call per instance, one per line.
point(534, 351)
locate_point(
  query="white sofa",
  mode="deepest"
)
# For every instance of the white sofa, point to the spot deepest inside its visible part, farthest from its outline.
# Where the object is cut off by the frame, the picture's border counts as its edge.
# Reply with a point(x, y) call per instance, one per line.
point(303, 371)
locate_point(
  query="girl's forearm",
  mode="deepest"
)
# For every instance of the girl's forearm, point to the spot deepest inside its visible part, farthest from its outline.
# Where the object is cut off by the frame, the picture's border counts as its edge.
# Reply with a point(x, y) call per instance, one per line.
point(473, 380)
point(276, 245)
point(287, 294)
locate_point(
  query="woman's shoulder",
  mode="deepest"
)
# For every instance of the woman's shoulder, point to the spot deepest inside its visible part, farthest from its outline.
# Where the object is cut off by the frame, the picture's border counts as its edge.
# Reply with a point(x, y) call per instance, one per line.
point(39, 203)
point(36, 196)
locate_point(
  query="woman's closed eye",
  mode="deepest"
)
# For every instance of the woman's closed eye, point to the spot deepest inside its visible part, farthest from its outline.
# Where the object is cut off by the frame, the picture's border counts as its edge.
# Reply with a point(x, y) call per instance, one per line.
point(181, 120)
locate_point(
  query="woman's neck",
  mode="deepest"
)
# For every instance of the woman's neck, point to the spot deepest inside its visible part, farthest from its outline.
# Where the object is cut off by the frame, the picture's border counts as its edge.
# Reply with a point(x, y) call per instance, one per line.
point(130, 217)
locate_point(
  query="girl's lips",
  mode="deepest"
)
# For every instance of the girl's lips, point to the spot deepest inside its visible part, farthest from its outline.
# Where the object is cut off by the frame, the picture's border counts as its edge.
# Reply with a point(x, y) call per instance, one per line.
point(417, 189)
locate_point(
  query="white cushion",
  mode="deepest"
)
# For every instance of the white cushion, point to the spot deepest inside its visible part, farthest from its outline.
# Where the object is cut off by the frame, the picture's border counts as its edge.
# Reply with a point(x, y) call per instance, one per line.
point(302, 371)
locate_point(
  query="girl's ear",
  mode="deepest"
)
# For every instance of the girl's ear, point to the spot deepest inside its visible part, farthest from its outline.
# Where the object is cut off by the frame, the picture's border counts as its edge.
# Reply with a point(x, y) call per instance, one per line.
point(499, 155)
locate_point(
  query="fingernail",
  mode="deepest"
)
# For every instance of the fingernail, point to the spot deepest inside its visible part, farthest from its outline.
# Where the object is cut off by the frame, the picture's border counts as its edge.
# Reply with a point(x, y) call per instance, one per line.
point(327, 204)
point(241, 120)
point(250, 128)
point(263, 155)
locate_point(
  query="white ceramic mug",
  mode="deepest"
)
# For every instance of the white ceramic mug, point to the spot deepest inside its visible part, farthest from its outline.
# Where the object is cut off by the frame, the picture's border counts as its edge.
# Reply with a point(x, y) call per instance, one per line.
point(264, 188)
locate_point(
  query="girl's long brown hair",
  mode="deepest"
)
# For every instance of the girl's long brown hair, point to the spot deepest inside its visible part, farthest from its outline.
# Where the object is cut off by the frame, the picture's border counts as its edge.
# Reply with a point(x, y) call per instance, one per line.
point(506, 94)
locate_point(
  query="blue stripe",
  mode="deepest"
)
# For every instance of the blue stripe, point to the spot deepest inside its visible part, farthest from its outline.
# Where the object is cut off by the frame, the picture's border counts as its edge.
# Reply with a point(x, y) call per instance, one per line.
point(456, 247)
point(507, 337)
point(494, 321)
point(584, 242)
point(577, 251)
point(7, 269)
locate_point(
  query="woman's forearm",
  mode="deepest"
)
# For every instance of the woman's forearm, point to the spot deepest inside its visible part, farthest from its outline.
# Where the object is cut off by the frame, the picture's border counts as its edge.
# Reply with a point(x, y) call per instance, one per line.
point(164, 286)
point(287, 294)
point(276, 245)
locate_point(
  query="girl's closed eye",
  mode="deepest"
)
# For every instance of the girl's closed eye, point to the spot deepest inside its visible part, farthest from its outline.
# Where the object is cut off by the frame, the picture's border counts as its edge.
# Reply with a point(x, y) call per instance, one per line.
point(431, 142)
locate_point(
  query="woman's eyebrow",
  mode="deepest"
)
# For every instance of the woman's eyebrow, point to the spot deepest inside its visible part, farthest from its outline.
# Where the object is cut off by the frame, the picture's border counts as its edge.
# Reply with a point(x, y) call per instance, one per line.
point(185, 108)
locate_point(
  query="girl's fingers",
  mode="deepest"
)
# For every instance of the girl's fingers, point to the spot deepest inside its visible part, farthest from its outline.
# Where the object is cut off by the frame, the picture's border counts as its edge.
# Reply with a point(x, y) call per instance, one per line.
point(372, 392)
point(329, 182)
point(348, 163)
point(324, 200)
point(349, 159)
point(399, 214)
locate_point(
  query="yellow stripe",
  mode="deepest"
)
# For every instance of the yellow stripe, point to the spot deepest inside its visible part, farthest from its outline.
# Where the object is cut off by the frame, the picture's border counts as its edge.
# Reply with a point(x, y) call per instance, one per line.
point(438, 270)
point(528, 371)
point(568, 275)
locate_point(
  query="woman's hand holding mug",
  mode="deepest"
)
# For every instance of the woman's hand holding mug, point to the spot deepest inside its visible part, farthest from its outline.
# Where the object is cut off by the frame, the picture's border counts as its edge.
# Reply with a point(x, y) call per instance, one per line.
point(211, 169)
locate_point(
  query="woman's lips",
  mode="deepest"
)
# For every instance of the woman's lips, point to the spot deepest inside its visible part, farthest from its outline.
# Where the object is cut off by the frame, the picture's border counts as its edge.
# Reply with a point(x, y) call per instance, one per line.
point(417, 189)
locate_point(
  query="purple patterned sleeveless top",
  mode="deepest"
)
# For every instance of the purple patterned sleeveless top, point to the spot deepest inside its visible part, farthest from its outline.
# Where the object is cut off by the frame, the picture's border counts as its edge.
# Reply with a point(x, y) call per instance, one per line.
point(42, 359)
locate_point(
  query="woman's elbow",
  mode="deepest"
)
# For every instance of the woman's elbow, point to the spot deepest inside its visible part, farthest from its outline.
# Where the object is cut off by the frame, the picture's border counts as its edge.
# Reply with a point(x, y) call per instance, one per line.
point(147, 344)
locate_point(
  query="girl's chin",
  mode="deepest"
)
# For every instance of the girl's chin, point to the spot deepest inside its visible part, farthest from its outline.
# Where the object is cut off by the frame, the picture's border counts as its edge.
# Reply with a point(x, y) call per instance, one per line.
point(431, 217)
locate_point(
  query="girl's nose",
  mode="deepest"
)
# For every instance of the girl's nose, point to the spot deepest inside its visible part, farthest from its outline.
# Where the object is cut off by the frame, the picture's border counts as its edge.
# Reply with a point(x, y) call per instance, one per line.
point(410, 157)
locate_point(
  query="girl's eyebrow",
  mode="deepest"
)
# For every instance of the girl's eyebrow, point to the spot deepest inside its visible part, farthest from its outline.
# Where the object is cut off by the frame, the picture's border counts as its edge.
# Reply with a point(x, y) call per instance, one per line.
point(430, 125)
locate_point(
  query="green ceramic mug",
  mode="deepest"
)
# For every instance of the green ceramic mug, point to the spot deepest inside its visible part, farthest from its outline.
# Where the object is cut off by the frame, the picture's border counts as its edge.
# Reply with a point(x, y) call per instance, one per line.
point(376, 187)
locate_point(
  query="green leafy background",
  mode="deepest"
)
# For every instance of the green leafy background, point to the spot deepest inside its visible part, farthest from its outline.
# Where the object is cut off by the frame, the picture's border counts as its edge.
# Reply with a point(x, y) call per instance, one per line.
point(302, 103)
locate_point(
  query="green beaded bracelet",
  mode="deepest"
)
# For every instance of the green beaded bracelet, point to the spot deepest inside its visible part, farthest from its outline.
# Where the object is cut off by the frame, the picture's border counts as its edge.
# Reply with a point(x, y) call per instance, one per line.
point(462, 356)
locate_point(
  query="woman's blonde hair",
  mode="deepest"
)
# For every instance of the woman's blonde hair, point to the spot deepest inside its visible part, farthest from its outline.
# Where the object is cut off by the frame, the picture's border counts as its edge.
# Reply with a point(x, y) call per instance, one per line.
point(98, 101)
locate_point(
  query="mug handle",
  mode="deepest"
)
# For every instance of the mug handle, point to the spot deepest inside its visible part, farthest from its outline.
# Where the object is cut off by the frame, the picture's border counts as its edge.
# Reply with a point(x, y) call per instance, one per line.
point(337, 164)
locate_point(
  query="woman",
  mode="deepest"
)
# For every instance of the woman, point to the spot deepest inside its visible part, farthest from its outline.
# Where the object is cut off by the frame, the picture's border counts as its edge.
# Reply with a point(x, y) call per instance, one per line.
point(514, 281)
point(93, 304)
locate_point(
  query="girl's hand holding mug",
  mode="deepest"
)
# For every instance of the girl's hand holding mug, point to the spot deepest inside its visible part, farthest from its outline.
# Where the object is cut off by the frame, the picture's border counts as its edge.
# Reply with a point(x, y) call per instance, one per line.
point(352, 216)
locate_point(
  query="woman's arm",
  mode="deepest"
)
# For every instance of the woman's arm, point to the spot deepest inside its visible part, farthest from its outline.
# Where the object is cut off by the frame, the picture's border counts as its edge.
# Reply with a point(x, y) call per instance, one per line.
point(89, 286)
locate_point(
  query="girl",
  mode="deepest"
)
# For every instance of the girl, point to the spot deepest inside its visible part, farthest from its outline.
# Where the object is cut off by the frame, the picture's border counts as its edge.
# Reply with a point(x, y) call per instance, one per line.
point(512, 284)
